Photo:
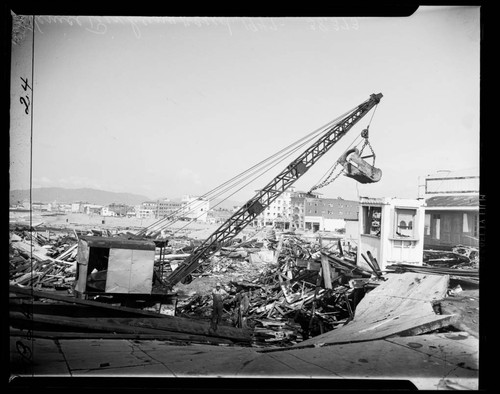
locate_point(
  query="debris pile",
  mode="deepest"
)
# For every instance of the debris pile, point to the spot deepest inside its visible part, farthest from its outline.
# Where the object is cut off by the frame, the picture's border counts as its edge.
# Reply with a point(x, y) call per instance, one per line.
point(465, 257)
point(288, 299)
point(42, 259)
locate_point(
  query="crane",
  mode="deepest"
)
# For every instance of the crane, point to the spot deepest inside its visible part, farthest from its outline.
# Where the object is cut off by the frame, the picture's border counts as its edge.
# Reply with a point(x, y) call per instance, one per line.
point(268, 194)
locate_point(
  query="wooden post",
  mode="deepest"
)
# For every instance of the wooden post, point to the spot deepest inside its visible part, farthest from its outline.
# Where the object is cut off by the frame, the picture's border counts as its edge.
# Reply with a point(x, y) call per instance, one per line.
point(327, 276)
point(277, 252)
point(325, 265)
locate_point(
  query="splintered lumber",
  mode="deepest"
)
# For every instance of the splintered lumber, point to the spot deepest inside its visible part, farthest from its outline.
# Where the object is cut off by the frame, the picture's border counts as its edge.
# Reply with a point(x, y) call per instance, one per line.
point(345, 265)
point(278, 250)
point(70, 250)
point(400, 306)
point(327, 276)
point(371, 265)
point(469, 273)
point(373, 260)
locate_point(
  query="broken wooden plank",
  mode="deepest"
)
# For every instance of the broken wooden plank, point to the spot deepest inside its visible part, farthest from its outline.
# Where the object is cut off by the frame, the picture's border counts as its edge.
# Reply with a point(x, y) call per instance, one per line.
point(277, 252)
point(373, 260)
point(343, 264)
point(371, 265)
point(327, 276)
point(71, 299)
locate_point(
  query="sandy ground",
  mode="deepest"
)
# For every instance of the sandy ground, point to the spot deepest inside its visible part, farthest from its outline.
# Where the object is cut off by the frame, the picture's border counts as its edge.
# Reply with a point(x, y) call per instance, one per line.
point(196, 230)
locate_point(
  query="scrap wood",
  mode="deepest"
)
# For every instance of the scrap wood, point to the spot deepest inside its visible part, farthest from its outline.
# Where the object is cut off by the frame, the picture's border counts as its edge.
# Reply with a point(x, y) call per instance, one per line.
point(68, 252)
point(373, 260)
point(107, 325)
point(436, 270)
point(342, 264)
point(70, 299)
point(370, 264)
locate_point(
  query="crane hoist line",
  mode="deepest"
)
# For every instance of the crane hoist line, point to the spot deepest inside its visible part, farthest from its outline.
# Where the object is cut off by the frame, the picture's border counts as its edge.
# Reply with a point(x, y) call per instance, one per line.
point(268, 194)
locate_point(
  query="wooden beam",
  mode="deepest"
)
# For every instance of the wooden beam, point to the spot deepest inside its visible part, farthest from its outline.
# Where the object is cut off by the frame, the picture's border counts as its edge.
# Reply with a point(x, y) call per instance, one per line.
point(79, 301)
point(277, 252)
point(327, 276)
point(161, 336)
point(149, 319)
point(95, 324)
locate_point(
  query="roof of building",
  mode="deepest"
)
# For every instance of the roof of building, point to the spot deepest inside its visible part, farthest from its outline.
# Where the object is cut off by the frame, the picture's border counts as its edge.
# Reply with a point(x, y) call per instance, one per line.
point(453, 201)
point(117, 242)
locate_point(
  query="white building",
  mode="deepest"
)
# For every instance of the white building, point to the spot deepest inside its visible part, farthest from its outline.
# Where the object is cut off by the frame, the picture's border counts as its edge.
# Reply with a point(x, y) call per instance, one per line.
point(92, 209)
point(280, 212)
point(105, 211)
point(144, 213)
point(195, 208)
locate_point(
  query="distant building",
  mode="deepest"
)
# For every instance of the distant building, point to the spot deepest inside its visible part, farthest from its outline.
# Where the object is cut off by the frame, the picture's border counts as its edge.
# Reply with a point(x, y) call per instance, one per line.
point(286, 212)
point(452, 211)
point(92, 209)
point(218, 215)
point(195, 208)
point(105, 211)
point(63, 207)
point(41, 206)
point(167, 208)
point(308, 211)
point(78, 206)
point(144, 213)
point(119, 209)
point(329, 214)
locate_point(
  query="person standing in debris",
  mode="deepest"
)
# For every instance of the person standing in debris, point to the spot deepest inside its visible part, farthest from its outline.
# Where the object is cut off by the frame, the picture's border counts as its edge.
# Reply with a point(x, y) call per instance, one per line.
point(219, 295)
point(243, 304)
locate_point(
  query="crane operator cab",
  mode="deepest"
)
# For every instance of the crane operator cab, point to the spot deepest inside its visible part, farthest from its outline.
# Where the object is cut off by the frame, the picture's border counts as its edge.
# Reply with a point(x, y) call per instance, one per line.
point(357, 168)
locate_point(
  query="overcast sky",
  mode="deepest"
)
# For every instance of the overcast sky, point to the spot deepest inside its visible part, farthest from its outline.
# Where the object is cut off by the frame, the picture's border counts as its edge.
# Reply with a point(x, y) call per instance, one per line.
point(172, 106)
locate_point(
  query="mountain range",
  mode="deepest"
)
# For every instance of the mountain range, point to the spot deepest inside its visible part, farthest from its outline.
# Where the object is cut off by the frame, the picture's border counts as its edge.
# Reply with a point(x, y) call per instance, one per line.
point(92, 196)
point(63, 195)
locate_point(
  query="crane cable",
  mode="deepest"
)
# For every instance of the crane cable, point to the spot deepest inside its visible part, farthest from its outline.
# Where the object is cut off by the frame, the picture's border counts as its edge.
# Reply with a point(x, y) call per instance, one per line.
point(237, 181)
point(331, 178)
point(277, 160)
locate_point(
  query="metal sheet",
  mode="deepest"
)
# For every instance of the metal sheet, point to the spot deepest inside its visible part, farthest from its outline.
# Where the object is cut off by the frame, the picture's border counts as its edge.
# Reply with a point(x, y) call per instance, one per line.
point(142, 271)
point(130, 271)
point(119, 264)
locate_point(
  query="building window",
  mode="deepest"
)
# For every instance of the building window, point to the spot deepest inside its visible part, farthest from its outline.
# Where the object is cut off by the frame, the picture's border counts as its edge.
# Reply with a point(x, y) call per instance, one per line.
point(427, 224)
point(437, 226)
point(371, 220)
point(405, 219)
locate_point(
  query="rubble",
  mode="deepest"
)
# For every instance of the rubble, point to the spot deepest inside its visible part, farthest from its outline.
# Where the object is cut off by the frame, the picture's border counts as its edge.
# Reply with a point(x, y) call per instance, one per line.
point(298, 287)
point(288, 301)
point(42, 259)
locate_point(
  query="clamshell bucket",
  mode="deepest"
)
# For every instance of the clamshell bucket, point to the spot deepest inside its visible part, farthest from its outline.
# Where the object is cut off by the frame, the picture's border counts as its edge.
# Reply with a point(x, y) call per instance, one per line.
point(355, 167)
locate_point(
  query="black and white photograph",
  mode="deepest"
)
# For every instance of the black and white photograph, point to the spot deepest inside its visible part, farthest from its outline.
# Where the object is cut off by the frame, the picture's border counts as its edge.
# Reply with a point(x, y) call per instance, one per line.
point(282, 198)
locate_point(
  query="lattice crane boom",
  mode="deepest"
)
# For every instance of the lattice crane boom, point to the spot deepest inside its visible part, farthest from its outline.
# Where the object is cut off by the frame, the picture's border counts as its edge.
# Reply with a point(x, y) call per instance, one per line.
point(249, 211)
